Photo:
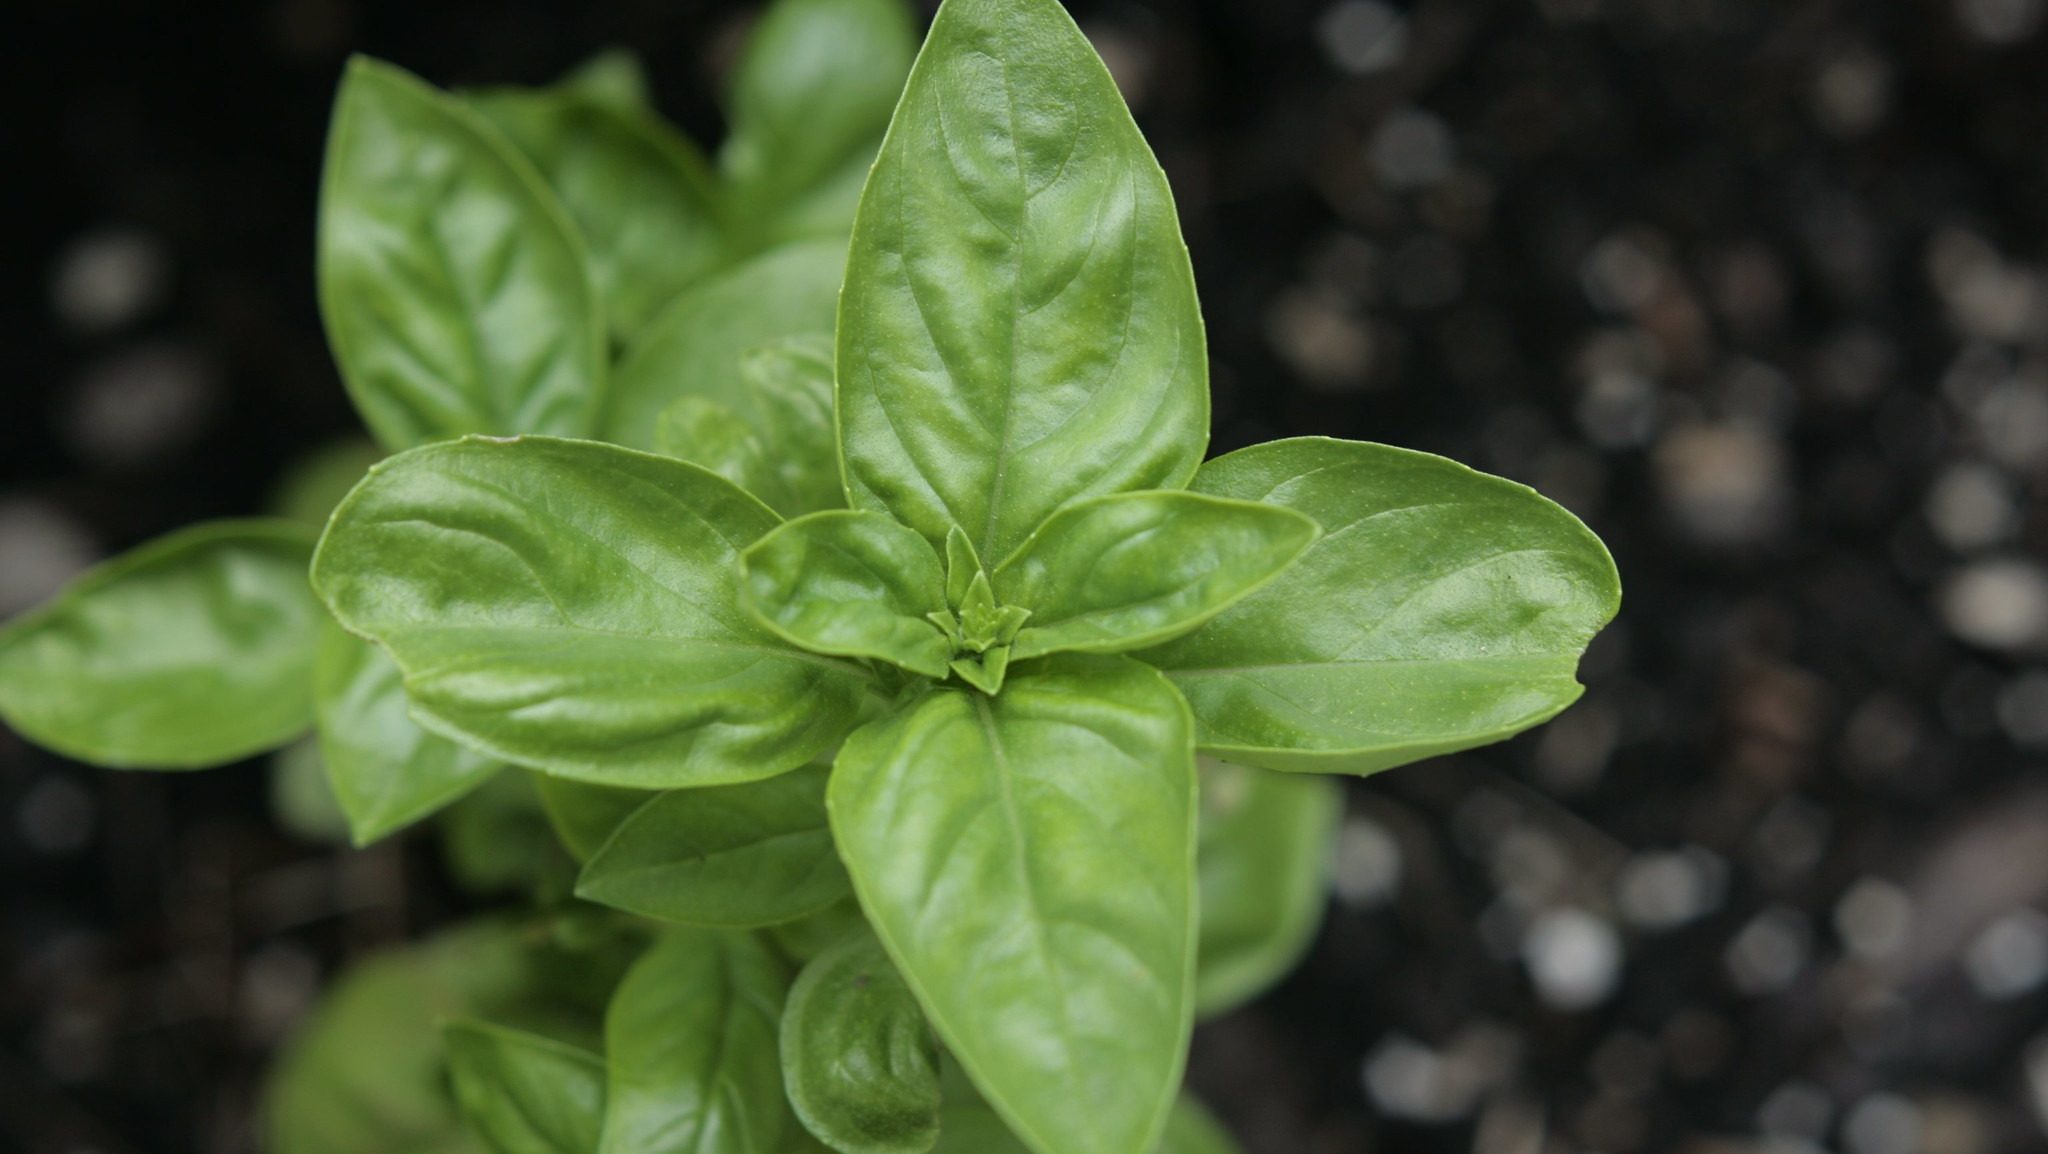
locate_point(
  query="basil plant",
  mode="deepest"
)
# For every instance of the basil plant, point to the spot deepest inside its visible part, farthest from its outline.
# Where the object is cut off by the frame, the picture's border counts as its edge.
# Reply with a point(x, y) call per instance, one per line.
point(934, 733)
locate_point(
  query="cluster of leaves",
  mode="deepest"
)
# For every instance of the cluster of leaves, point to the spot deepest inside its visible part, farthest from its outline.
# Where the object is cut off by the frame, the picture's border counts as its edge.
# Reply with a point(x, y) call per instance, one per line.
point(931, 733)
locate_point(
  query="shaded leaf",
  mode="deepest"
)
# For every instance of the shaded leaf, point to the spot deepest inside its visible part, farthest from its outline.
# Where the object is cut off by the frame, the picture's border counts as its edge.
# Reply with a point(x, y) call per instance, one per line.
point(858, 1059)
point(523, 1093)
point(193, 650)
point(1267, 840)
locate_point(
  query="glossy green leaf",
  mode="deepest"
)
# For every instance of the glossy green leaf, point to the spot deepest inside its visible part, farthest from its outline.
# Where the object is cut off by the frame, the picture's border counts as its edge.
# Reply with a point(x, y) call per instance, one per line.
point(523, 1093)
point(367, 1072)
point(810, 99)
point(1267, 841)
point(851, 584)
point(1019, 327)
point(969, 1126)
point(1134, 569)
point(584, 815)
point(694, 346)
point(317, 482)
point(1028, 860)
point(641, 195)
point(571, 607)
point(690, 1040)
point(193, 650)
point(453, 285)
point(1442, 609)
point(859, 1061)
point(387, 772)
point(789, 383)
point(736, 855)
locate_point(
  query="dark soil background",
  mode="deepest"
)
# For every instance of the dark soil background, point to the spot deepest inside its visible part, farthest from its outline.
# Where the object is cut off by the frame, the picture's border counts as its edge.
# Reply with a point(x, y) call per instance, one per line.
point(1757, 287)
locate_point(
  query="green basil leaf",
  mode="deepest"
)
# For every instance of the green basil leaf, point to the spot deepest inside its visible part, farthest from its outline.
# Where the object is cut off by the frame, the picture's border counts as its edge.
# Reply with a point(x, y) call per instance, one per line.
point(571, 607)
point(810, 100)
point(498, 840)
point(1028, 860)
point(733, 855)
point(387, 772)
point(317, 482)
point(585, 815)
point(1442, 609)
point(640, 193)
point(523, 1093)
point(453, 286)
point(301, 800)
point(691, 1043)
point(1019, 326)
point(367, 1072)
point(790, 384)
point(858, 1059)
point(613, 78)
point(1267, 842)
point(1190, 1129)
point(853, 585)
point(1135, 569)
point(694, 345)
point(714, 436)
point(193, 650)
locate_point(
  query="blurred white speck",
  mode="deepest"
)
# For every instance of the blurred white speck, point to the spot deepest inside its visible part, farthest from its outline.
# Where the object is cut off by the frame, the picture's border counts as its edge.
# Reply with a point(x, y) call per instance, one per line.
point(1412, 149)
point(1662, 890)
point(2000, 22)
point(1789, 839)
point(1796, 1109)
point(2023, 709)
point(1971, 506)
point(1999, 604)
point(1724, 484)
point(1368, 869)
point(2010, 957)
point(106, 279)
point(1622, 273)
point(1873, 918)
point(1618, 409)
point(1410, 1080)
point(1883, 1124)
point(138, 406)
point(1984, 294)
point(1573, 957)
point(1853, 92)
point(1363, 36)
point(44, 548)
point(56, 817)
point(1326, 342)
point(1769, 952)
point(2011, 418)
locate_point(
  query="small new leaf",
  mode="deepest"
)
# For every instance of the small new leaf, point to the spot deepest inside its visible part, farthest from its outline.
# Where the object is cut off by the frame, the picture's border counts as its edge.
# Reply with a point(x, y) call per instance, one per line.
point(194, 650)
point(736, 855)
point(850, 584)
point(859, 1061)
point(1134, 569)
